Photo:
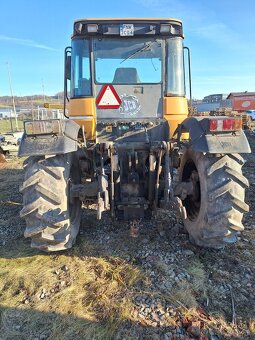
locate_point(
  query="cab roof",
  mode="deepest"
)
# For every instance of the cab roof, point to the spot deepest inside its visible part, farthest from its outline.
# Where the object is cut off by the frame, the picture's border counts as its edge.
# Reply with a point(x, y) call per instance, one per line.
point(95, 20)
point(140, 26)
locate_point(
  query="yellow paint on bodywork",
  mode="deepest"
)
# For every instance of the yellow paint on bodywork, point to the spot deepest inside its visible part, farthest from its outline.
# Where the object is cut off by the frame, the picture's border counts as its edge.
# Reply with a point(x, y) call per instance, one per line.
point(175, 111)
point(86, 109)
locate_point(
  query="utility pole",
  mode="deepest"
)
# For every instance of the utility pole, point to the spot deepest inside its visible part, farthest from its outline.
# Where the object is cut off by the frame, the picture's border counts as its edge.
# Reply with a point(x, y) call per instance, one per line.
point(44, 101)
point(32, 109)
point(43, 91)
point(13, 101)
point(10, 114)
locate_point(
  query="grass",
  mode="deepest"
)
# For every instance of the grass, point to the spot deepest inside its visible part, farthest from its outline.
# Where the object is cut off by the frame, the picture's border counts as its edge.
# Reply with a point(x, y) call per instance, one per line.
point(5, 125)
point(89, 292)
point(10, 178)
point(95, 290)
point(86, 296)
point(252, 327)
point(183, 295)
point(197, 271)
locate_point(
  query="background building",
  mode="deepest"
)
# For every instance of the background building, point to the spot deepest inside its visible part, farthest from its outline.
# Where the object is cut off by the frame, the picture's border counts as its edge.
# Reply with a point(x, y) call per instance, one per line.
point(212, 102)
point(242, 101)
point(5, 113)
point(214, 98)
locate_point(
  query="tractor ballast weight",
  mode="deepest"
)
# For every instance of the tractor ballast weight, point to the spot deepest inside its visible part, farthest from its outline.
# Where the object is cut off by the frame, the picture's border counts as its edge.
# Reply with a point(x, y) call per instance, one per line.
point(126, 135)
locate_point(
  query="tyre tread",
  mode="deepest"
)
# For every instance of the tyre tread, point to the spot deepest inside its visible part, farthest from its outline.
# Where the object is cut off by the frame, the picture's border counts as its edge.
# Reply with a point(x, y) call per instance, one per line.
point(48, 225)
point(225, 189)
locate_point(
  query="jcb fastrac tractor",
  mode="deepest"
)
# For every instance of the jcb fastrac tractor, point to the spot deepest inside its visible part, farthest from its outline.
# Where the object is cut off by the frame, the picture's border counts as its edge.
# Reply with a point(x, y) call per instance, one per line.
point(127, 143)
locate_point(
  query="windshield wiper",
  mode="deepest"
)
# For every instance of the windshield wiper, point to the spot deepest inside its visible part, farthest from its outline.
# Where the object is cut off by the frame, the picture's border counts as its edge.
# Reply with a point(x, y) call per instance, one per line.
point(142, 49)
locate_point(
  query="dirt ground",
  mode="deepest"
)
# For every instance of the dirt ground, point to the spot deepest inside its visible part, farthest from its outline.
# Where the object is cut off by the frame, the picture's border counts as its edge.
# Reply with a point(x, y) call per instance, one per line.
point(113, 286)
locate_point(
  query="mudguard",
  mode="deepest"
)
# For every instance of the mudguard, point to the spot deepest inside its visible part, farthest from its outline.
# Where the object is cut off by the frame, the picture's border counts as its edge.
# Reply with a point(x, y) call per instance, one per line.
point(51, 144)
point(204, 141)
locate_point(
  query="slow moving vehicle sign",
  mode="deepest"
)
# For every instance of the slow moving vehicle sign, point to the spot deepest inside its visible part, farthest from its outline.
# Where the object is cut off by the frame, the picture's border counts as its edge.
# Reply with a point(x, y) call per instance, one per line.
point(108, 98)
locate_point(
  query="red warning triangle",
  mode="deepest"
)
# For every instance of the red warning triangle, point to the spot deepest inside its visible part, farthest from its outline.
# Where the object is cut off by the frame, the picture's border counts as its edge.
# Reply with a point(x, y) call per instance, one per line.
point(108, 98)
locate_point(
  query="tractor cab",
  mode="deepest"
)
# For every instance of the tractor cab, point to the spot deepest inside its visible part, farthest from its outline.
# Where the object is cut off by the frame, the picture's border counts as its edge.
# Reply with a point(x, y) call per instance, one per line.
point(126, 71)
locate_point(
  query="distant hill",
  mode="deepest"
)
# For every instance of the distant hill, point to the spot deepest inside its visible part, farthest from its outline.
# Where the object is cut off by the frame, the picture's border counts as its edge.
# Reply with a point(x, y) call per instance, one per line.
point(30, 101)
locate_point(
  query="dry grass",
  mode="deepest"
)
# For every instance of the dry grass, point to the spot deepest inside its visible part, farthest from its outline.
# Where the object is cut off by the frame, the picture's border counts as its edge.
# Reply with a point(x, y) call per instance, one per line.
point(95, 290)
point(14, 163)
point(88, 300)
point(183, 294)
point(5, 125)
point(93, 298)
point(196, 270)
point(11, 176)
point(216, 323)
point(252, 327)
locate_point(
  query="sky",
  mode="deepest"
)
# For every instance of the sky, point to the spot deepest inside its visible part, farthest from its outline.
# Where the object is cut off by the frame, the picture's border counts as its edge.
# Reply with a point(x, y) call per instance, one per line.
point(219, 33)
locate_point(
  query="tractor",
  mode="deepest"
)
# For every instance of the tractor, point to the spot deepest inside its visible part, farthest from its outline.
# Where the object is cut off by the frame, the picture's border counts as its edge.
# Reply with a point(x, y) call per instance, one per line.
point(127, 143)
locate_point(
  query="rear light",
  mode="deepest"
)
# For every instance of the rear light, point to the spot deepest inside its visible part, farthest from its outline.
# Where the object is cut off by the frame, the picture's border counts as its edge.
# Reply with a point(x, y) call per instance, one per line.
point(226, 124)
point(213, 125)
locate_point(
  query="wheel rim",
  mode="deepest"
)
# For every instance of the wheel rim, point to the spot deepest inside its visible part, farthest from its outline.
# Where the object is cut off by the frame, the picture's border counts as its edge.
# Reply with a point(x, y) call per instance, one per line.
point(192, 202)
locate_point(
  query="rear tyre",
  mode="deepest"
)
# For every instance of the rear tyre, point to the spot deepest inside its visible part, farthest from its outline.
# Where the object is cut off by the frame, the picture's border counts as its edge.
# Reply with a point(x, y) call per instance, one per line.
point(52, 216)
point(215, 208)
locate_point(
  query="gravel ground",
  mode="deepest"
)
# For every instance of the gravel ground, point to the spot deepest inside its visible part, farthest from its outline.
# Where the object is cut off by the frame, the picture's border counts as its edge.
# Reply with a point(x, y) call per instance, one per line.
point(212, 282)
point(11, 176)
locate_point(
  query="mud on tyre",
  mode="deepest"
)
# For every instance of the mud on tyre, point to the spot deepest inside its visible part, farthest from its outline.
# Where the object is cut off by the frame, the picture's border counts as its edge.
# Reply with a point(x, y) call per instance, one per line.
point(215, 209)
point(52, 217)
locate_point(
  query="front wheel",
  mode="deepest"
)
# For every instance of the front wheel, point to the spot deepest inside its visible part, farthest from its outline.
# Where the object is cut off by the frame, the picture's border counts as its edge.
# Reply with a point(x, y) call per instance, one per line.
point(216, 206)
point(52, 215)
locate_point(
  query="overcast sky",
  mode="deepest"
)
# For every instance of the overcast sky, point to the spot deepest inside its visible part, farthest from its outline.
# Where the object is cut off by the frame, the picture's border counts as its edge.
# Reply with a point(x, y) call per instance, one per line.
point(220, 34)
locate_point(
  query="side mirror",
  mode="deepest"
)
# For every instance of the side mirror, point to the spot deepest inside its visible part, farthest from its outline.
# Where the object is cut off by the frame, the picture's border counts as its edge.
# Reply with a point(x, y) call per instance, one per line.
point(67, 75)
point(68, 67)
